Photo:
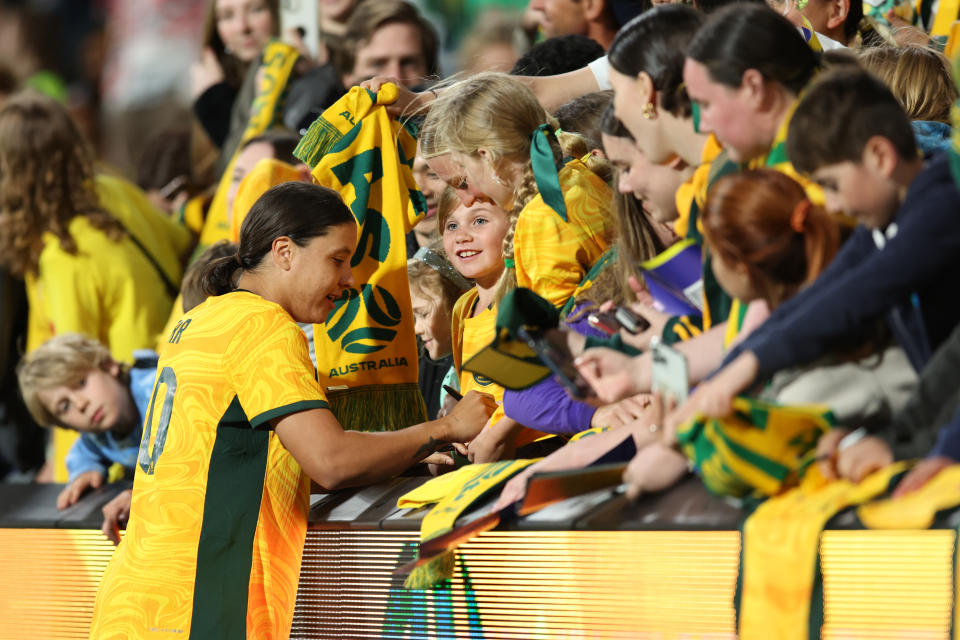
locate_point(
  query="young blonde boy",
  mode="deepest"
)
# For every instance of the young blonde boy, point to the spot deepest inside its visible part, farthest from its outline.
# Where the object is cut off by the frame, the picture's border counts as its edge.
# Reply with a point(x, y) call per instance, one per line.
point(72, 382)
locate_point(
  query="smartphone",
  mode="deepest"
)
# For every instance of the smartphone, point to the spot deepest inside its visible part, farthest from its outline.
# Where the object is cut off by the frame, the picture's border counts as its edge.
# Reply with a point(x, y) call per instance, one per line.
point(632, 322)
point(604, 321)
point(670, 374)
point(302, 15)
point(551, 347)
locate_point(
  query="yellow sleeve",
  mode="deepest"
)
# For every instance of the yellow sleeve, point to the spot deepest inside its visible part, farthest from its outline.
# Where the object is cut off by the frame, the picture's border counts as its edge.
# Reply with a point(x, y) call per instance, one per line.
point(270, 369)
point(546, 254)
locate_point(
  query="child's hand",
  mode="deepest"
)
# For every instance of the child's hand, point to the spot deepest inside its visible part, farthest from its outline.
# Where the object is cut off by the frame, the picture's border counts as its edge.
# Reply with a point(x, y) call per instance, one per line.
point(87, 480)
point(515, 488)
point(864, 457)
point(494, 442)
point(921, 474)
point(609, 372)
point(714, 398)
point(654, 468)
point(620, 413)
point(827, 452)
point(116, 513)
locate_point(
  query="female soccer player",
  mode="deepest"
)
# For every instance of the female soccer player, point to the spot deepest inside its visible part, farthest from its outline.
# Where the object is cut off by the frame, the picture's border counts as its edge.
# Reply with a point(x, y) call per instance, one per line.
point(238, 426)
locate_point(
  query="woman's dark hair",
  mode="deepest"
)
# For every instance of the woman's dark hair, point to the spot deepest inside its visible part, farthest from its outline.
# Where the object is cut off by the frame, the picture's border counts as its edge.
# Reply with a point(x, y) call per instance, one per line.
point(655, 42)
point(299, 210)
point(753, 36)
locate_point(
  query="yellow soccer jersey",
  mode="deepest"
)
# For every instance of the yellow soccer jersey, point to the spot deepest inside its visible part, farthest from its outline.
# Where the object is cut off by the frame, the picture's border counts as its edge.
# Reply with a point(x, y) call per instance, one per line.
point(219, 509)
point(470, 335)
point(552, 255)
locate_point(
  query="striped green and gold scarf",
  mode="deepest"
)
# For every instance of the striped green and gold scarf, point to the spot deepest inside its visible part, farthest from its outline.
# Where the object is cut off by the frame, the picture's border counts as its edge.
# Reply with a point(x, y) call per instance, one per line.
point(367, 350)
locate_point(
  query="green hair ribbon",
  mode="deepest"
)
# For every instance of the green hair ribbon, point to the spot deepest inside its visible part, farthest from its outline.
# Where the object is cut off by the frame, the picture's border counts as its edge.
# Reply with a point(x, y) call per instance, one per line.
point(545, 170)
point(509, 263)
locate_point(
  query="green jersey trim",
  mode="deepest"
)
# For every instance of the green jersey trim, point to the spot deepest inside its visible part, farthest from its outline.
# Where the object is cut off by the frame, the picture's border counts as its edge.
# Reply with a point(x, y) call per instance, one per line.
point(287, 409)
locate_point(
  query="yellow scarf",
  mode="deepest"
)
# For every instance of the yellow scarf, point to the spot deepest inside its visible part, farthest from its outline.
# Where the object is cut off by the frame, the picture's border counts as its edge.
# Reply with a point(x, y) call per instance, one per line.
point(367, 350)
point(780, 545)
point(453, 495)
point(277, 64)
point(268, 173)
point(760, 449)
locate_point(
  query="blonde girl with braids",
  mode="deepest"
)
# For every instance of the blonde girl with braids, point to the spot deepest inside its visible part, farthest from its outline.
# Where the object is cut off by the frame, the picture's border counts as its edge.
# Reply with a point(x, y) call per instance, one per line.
point(98, 259)
point(473, 240)
point(489, 138)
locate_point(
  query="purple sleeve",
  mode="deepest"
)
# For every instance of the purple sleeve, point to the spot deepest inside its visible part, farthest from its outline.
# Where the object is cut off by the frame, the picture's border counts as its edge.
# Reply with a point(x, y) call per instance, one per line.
point(547, 407)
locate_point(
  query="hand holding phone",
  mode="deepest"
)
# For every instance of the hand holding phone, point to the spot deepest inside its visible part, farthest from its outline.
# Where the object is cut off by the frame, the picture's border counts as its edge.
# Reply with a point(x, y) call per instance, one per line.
point(631, 321)
point(669, 372)
point(605, 321)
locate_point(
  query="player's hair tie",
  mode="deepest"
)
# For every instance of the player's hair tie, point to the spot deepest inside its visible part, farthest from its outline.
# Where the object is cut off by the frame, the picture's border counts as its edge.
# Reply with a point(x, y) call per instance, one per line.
point(799, 216)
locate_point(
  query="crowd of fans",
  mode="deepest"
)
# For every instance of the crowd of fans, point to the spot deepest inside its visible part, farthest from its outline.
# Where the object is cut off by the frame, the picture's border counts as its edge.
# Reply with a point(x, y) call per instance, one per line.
point(805, 150)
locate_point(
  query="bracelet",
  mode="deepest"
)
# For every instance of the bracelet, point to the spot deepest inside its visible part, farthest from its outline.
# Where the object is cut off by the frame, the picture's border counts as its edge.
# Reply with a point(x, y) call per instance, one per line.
point(852, 438)
point(434, 92)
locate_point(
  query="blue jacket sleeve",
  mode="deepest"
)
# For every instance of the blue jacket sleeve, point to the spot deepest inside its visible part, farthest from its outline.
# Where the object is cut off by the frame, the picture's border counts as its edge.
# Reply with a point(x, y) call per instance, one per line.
point(862, 284)
point(547, 407)
point(86, 455)
point(948, 440)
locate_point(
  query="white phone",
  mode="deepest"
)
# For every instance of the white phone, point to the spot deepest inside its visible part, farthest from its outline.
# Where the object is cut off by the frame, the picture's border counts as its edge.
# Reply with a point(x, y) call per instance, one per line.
point(301, 14)
point(670, 373)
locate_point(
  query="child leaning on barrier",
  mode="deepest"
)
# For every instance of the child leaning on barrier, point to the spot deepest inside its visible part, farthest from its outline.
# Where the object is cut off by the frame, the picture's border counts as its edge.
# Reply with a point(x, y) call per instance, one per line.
point(71, 381)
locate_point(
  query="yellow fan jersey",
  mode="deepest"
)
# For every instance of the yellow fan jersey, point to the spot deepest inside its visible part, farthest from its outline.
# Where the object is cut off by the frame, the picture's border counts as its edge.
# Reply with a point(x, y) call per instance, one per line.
point(470, 335)
point(552, 255)
point(219, 510)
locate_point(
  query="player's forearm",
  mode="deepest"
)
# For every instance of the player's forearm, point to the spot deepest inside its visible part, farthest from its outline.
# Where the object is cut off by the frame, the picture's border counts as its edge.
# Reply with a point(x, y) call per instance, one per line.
point(359, 458)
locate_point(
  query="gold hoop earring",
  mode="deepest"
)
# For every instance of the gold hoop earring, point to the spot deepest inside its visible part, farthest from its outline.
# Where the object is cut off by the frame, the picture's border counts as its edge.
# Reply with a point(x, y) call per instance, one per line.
point(648, 111)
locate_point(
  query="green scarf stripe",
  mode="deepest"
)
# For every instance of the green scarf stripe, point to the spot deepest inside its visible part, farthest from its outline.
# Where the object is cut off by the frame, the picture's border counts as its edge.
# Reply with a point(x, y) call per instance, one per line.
point(777, 155)
point(767, 466)
point(231, 511)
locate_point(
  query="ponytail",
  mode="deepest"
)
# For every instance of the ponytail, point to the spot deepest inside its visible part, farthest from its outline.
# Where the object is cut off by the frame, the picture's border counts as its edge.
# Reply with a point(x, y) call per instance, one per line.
point(764, 220)
point(219, 276)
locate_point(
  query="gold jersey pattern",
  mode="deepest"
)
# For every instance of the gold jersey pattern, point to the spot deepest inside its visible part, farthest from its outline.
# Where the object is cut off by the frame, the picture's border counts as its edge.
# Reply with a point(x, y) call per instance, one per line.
point(552, 254)
point(219, 509)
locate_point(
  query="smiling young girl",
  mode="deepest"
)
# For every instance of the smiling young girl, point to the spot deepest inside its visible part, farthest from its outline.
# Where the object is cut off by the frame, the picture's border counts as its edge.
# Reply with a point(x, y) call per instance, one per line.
point(473, 240)
point(236, 428)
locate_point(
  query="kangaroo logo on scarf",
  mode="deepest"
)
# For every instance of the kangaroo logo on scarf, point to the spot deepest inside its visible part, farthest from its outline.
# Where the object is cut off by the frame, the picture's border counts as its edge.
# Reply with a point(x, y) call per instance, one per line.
point(357, 149)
